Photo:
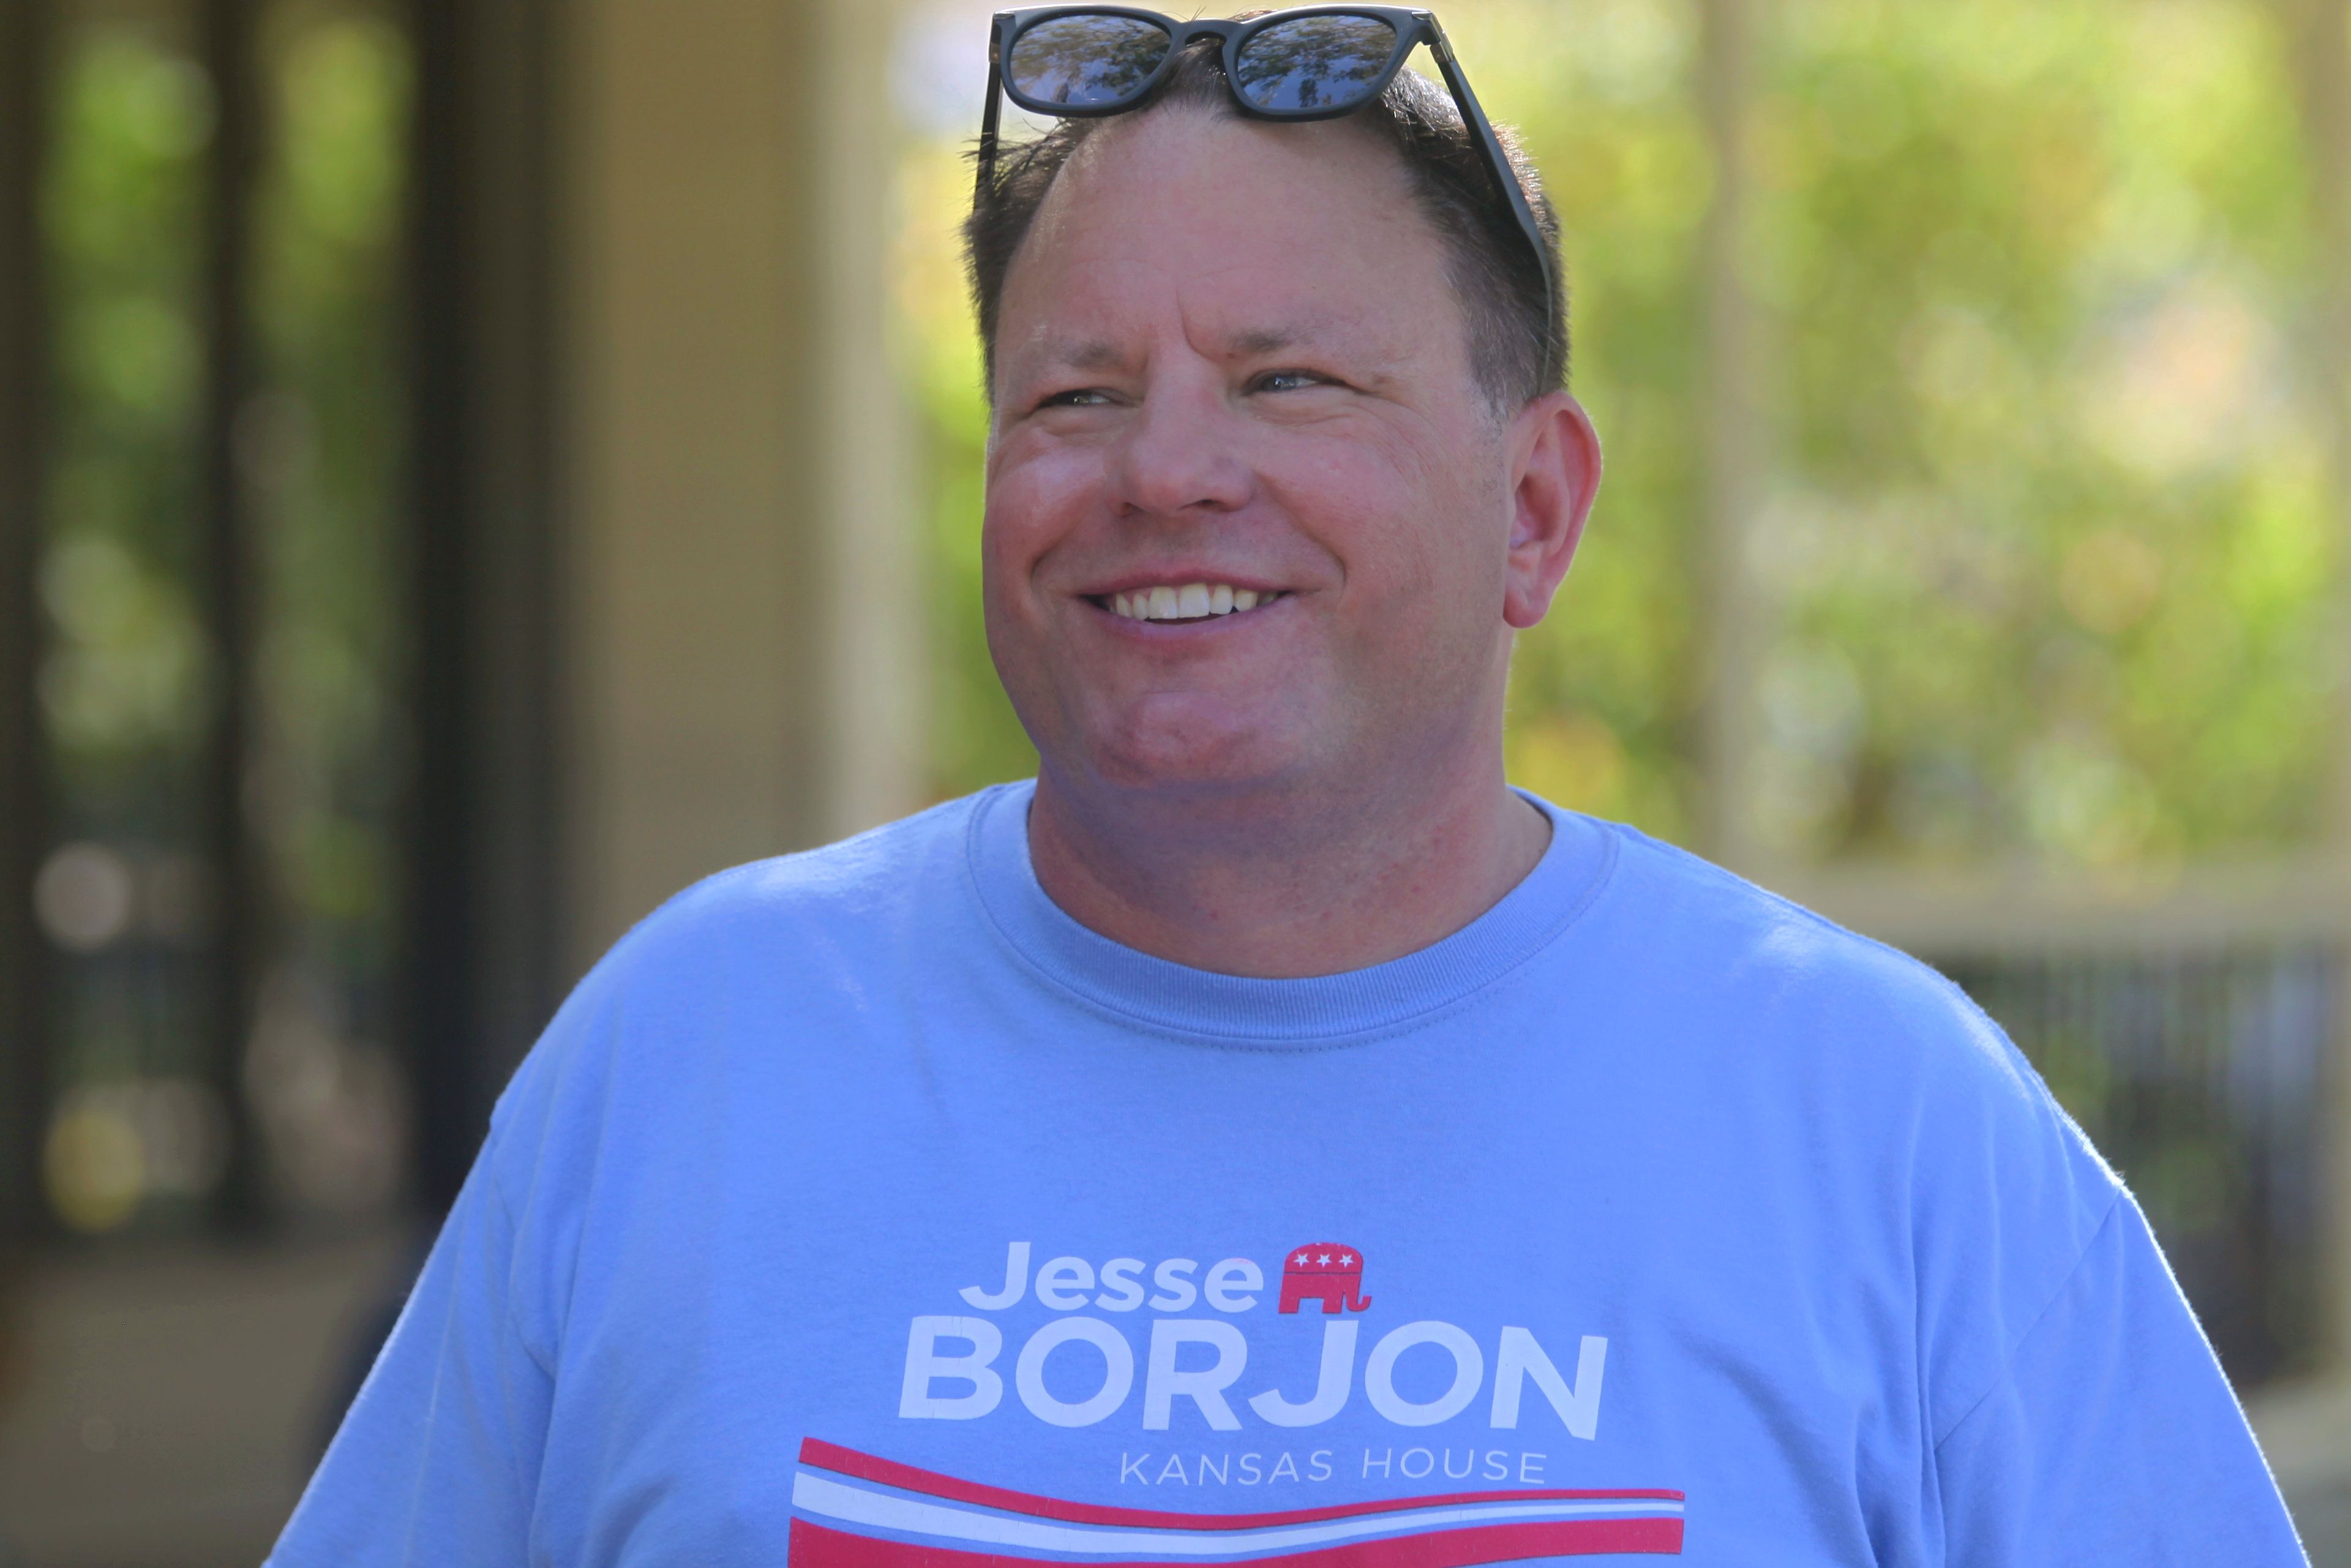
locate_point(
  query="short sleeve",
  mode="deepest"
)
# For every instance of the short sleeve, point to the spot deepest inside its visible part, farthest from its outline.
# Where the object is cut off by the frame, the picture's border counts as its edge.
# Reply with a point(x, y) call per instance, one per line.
point(437, 1460)
point(2111, 1434)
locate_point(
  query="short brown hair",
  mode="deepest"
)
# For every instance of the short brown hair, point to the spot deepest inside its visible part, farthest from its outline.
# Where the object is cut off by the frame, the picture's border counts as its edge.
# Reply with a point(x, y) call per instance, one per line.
point(1518, 328)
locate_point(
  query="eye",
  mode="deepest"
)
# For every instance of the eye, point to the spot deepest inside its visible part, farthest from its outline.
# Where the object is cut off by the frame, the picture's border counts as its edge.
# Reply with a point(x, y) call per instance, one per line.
point(1076, 397)
point(1288, 381)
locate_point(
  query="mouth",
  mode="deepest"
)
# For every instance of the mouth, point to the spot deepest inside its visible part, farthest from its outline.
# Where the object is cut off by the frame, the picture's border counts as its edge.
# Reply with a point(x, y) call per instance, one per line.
point(1185, 602)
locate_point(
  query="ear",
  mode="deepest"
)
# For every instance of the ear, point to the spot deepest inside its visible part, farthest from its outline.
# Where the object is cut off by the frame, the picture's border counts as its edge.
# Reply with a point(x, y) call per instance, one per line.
point(1554, 474)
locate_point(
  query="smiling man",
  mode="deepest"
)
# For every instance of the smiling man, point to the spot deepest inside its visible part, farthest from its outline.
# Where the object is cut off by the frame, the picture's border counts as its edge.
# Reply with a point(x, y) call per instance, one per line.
point(956, 1196)
point(1257, 537)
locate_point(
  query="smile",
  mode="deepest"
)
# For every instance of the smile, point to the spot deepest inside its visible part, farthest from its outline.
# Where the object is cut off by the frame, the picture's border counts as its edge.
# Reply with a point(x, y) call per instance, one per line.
point(1186, 601)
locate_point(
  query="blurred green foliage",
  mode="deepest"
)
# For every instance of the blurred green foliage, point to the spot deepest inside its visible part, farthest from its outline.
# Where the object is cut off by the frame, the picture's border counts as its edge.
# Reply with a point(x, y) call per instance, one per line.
point(124, 684)
point(2049, 549)
point(2044, 566)
point(322, 448)
point(130, 678)
point(127, 682)
point(318, 447)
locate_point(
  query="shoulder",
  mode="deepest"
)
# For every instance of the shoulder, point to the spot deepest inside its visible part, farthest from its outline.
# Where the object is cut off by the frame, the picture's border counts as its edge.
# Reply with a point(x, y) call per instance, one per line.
point(868, 882)
point(1842, 1062)
point(1865, 1033)
point(1771, 951)
point(738, 956)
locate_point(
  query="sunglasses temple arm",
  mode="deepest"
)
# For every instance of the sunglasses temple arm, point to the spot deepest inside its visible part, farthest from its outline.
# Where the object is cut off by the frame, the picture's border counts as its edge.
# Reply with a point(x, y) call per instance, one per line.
point(986, 158)
point(1498, 163)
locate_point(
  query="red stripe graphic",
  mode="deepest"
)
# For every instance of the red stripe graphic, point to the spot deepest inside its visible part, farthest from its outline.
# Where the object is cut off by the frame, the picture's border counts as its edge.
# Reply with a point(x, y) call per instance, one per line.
point(889, 1473)
point(817, 1546)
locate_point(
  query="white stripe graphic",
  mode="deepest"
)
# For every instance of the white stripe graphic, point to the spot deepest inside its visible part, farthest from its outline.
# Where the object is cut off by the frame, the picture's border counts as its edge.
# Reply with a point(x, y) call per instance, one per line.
point(855, 1505)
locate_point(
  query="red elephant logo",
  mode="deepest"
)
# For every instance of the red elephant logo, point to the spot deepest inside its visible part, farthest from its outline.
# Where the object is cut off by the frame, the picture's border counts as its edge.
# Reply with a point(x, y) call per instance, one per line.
point(1326, 1272)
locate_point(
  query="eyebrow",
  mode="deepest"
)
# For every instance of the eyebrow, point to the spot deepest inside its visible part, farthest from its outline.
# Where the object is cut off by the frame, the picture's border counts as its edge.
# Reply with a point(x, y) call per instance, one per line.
point(1310, 327)
point(1092, 354)
point(1083, 354)
point(1264, 341)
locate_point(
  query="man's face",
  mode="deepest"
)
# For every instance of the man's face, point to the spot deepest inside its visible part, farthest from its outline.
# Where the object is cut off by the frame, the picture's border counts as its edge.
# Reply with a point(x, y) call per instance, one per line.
point(1231, 368)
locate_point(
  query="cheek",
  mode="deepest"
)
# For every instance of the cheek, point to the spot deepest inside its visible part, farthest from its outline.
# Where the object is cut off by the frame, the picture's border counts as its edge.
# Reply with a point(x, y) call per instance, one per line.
point(1033, 505)
point(1421, 540)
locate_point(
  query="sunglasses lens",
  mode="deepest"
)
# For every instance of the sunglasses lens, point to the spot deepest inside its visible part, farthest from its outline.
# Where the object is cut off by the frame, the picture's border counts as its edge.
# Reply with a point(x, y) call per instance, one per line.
point(1086, 62)
point(1316, 62)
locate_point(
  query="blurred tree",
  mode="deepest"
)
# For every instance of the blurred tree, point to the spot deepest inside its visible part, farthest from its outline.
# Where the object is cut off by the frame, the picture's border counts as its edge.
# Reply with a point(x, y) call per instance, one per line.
point(126, 680)
point(323, 450)
point(2048, 551)
point(123, 685)
point(129, 680)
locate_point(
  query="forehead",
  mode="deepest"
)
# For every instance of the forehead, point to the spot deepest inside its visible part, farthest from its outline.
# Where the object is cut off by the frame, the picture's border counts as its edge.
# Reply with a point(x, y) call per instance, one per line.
point(1259, 233)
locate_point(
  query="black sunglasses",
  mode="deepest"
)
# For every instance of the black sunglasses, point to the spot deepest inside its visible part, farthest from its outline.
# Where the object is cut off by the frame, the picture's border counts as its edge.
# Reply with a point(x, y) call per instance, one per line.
point(1315, 62)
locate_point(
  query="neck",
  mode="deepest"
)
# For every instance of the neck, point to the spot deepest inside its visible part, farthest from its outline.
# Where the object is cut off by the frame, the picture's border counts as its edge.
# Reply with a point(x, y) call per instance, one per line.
point(1292, 882)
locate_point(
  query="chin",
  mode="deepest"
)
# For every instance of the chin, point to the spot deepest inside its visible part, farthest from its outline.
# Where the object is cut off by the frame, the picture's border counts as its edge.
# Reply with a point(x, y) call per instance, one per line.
point(1154, 756)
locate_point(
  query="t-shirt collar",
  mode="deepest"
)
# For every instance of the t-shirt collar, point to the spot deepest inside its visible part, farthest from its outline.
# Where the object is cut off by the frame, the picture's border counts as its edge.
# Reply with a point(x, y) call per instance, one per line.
point(1322, 1010)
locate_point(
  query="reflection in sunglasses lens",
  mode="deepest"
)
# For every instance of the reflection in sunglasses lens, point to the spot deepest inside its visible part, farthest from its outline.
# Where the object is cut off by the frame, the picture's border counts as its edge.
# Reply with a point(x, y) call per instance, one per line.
point(1086, 62)
point(1315, 62)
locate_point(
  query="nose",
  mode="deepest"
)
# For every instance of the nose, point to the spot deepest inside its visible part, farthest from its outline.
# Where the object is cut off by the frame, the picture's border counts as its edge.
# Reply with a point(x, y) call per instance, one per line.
point(1180, 457)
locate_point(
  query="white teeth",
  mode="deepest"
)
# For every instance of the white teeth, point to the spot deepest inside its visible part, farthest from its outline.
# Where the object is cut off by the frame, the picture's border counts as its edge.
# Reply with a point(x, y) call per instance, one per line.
point(1187, 602)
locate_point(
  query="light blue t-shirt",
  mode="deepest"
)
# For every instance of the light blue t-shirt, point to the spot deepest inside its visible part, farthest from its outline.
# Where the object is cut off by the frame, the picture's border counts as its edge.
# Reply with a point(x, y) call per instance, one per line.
point(864, 1210)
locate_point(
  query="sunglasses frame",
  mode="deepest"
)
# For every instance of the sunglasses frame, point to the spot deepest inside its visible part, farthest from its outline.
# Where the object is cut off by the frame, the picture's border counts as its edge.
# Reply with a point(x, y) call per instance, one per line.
point(1411, 26)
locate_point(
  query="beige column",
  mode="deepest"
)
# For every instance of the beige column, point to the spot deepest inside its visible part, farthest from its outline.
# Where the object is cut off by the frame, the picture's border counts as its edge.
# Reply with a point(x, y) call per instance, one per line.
point(872, 612)
point(739, 636)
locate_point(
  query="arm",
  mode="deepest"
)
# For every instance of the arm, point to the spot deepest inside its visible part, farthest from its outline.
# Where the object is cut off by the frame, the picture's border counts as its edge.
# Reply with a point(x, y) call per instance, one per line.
point(437, 1461)
point(2110, 1435)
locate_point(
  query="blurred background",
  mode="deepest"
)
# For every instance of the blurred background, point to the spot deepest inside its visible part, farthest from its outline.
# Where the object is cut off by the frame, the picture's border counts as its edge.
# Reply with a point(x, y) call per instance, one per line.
point(469, 467)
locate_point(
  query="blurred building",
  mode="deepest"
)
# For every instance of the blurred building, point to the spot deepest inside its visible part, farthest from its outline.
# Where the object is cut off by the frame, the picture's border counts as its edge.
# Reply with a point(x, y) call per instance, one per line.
point(461, 479)
point(453, 497)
